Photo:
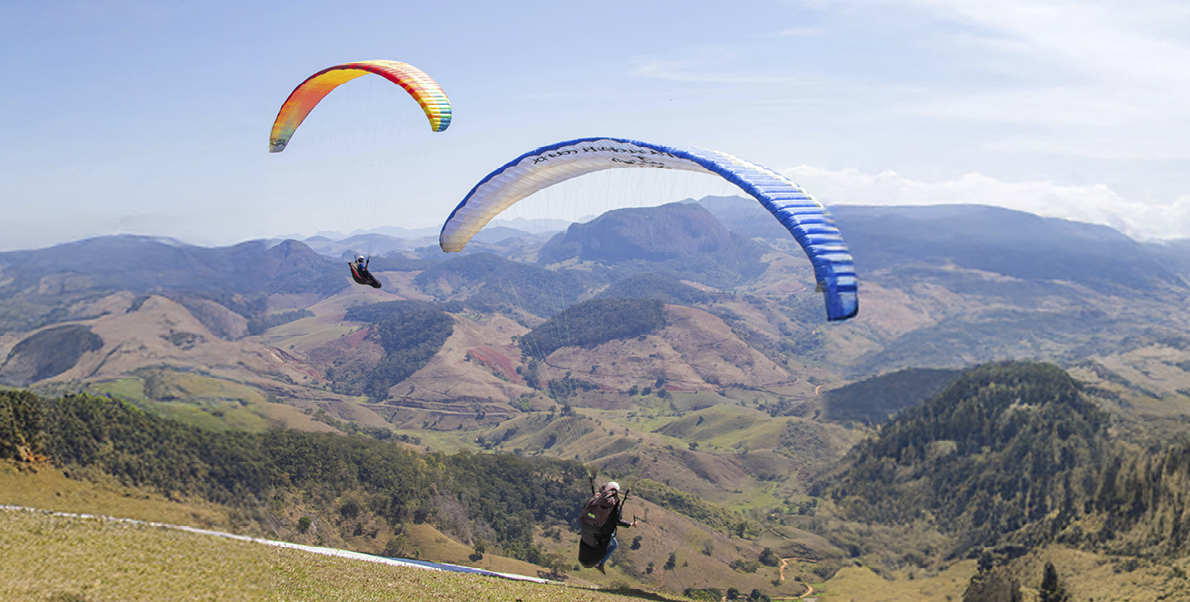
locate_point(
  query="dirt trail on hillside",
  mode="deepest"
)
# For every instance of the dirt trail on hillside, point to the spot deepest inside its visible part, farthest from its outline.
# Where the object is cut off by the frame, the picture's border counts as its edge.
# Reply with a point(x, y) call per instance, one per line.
point(809, 588)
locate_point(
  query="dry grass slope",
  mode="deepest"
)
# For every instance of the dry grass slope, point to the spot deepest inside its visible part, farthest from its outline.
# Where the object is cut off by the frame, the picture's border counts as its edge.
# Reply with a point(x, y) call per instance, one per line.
point(48, 557)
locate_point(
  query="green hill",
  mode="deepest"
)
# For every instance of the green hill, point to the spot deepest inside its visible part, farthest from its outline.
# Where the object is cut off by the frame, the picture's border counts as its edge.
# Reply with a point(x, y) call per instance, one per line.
point(1017, 454)
point(410, 332)
point(664, 287)
point(594, 322)
point(504, 494)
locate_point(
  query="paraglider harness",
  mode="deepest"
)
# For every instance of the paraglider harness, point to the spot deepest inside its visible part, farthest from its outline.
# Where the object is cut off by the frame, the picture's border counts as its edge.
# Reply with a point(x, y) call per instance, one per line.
point(598, 523)
point(361, 275)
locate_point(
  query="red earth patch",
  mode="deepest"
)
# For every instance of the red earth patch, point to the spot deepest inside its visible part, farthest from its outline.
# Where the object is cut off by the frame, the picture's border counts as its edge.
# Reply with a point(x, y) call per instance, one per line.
point(495, 360)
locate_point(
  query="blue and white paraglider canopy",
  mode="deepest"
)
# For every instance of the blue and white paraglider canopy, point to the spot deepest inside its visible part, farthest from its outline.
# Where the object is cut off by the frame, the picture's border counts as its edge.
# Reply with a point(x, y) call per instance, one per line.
point(805, 218)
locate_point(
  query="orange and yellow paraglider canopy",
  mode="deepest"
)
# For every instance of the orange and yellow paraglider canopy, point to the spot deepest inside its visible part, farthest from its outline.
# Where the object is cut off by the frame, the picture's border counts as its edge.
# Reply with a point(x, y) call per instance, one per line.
point(305, 97)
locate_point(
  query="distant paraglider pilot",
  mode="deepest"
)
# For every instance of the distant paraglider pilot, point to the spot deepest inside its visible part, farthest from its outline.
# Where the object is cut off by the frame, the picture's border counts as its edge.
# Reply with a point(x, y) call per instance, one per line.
point(601, 517)
point(360, 273)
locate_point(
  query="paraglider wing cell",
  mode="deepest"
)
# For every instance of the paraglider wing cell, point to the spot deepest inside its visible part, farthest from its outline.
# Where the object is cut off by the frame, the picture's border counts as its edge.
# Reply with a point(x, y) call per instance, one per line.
point(805, 218)
point(306, 96)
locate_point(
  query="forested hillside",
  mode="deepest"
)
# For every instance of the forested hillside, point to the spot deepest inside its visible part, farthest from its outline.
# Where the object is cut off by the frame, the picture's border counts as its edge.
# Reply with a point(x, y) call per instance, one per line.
point(377, 495)
point(410, 332)
point(503, 496)
point(1018, 453)
point(593, 322)
point(665, 288)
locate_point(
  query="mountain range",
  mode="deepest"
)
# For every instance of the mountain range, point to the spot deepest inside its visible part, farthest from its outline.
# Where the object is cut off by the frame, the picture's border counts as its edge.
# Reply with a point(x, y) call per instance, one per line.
point(729, 384)
point(941, 287)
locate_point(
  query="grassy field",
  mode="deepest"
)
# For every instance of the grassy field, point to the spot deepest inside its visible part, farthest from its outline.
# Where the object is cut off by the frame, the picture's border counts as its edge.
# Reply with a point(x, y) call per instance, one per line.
point(211, 403)
point(661, 532)
point(66, 559)
point(53, 558)
point(858, 583)
point(48, 489)
point(448, 442)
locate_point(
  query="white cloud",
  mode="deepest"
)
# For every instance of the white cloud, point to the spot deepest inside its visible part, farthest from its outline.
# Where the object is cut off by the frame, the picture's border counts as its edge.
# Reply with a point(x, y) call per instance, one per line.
point(1097, 204)
point(1093, 78)
point(1138, 41)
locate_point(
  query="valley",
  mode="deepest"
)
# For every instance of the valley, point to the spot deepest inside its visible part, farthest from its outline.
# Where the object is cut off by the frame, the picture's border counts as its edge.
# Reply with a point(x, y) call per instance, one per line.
point(722, 395)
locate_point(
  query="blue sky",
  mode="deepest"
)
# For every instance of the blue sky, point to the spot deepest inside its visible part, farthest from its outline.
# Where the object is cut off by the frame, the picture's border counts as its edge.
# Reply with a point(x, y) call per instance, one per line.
point(153, 118)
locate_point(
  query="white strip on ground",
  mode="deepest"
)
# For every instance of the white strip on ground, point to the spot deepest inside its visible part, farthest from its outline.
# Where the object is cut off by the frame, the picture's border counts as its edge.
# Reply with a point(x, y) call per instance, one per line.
point(401, 562)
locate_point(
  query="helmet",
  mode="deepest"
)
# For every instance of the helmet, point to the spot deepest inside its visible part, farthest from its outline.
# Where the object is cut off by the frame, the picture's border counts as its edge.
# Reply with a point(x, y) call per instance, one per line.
point(612, 486)
point(360, 258)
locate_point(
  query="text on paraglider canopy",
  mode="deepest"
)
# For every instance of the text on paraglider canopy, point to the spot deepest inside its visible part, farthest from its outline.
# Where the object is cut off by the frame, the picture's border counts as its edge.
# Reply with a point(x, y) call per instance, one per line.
point(639, 154)
point(641, 161)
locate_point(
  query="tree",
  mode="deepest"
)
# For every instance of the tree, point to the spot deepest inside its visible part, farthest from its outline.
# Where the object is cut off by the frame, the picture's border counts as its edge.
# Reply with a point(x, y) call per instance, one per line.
point(303, 524)
point(1051, 586)
point(397, 546)
point(709, 594)
point(995, 585)
point(986, 562)
point(557, 564)
point(769, 558)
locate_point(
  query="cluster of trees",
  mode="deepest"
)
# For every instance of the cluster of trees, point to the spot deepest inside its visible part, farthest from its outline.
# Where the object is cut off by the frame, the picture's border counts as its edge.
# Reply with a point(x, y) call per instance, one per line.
point(137, 448)
point(410, 332)
point(22, 431)
point(513, 494)
point(714, 594)
point(996, 584)
point(350, 427)
point(696, 508)
point(568, 386)
point(1015, 453)
point(592, 323)
point(559, 389)
point(502, 496)
point(260, 323)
